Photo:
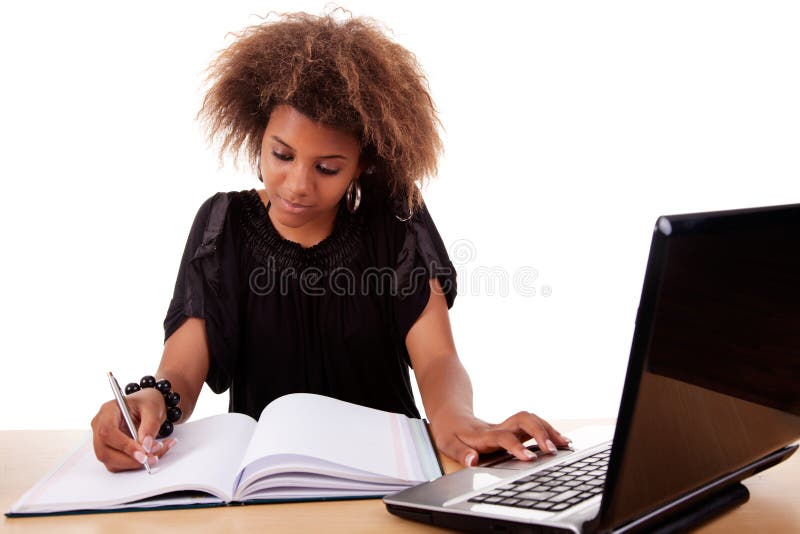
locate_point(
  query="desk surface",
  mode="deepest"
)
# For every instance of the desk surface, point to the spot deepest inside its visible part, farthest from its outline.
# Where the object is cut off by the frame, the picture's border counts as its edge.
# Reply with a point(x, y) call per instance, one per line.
point(26, 456)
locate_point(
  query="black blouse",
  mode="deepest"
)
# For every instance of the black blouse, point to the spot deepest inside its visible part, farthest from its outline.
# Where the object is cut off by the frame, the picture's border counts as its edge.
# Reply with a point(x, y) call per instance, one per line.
point(330, 319)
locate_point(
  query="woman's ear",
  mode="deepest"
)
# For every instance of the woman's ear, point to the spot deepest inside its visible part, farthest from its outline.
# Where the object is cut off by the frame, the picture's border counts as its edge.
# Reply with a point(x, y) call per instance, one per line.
point(365, 168)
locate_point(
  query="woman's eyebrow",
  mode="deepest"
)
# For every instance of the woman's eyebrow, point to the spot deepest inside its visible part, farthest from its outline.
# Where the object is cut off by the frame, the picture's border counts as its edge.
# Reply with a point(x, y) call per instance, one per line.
point(287, 145)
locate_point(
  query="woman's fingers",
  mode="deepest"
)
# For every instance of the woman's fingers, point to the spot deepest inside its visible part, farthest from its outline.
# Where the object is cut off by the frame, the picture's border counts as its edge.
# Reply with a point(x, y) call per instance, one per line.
point(115, 448)
point(533, 427)
point(510, 442)
point(116, 461)
point(456, 449)
point(493, 437)
point(148, 407)
point(164, 446)
point(462, 438)
point(560, 439)
point(107, 433)
point(528, 424)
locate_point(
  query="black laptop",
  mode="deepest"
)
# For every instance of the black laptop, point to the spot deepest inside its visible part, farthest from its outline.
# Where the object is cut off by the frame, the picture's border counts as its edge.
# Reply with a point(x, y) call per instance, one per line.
point(711, 396)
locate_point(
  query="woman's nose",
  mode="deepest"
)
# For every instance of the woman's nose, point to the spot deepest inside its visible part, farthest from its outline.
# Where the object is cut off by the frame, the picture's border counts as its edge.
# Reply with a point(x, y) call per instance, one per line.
point(299, 180)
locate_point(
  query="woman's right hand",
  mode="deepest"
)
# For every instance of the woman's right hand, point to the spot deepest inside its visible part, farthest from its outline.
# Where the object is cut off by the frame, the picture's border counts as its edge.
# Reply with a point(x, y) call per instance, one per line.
point(114, 446)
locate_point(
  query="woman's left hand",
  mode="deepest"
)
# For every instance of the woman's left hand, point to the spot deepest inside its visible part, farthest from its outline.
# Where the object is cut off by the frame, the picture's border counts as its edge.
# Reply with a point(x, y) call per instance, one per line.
point(463, 437)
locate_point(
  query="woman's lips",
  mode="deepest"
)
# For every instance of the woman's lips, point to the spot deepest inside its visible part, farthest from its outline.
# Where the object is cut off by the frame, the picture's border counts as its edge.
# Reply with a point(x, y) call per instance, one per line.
point(292, 206)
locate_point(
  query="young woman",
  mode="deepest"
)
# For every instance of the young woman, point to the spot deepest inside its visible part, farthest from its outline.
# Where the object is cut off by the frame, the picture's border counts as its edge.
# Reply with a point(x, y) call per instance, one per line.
point(332, 278)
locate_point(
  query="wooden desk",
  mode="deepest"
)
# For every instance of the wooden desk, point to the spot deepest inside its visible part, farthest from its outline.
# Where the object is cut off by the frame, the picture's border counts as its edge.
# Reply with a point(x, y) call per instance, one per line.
point(26, 456)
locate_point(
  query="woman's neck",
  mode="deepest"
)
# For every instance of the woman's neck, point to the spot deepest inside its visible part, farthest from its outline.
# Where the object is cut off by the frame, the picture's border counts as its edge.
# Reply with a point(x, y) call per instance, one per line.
point(308, 235)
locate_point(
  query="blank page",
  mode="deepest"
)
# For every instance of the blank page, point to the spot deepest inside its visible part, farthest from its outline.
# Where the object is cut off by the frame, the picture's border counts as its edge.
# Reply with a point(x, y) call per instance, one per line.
point(205, 458)
point(350, 435)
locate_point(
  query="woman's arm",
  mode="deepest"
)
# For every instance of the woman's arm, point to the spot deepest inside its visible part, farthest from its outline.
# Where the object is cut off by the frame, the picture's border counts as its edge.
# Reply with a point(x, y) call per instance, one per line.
point(184, 363)
point(447, 394)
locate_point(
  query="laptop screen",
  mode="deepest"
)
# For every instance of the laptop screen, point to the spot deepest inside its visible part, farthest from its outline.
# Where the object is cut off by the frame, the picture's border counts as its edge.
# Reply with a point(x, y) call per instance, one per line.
point(714, 377)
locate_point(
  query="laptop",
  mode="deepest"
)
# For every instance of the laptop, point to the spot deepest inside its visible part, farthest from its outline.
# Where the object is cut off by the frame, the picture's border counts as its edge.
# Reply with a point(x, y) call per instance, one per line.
point(711, 396)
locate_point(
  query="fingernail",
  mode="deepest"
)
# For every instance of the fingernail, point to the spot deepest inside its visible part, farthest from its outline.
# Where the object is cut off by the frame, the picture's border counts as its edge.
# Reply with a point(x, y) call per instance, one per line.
point(530, 454)
point(550, 446)
point(172, 443)
point(147, 444)
point(469, 459)
point(153, 460)
point(139, 457)
point(157, 446)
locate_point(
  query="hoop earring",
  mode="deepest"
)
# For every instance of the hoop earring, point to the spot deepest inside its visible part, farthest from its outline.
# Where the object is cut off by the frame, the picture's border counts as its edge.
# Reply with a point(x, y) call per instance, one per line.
point(353, 196)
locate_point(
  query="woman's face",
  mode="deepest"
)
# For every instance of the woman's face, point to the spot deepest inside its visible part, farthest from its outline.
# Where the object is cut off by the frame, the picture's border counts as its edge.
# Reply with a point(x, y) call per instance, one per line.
point(306, 168)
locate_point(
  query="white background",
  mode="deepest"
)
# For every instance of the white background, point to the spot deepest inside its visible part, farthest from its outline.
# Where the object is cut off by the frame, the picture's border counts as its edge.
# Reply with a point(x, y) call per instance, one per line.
point(569, 128)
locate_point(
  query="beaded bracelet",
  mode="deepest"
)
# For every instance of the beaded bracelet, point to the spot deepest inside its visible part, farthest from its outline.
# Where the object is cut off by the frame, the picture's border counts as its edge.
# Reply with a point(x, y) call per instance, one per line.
point(171, 398)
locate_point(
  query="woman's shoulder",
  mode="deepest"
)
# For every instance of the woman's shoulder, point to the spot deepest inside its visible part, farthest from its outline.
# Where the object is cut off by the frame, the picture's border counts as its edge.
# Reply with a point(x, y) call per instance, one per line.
point(414, 242)
point(220, 207)
point(216, 223)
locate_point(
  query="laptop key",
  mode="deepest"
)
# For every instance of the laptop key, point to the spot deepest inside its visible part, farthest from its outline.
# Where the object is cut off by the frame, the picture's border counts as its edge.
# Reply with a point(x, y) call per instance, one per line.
point(559, 489)
point(558, 507)
point(542, 506)
point(536, 495)
point(572, 483)
point(563, 496)
point(506, 487)
point(493, 500)
point(525, 487)
point(583, 487)
point(509, 502)
point(493, 492)
point(596, 482)
point(508, 494)
point(574, 500)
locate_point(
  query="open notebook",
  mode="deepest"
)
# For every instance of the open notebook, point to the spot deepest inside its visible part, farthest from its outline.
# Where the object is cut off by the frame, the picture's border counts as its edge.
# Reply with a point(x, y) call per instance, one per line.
point(303, 447)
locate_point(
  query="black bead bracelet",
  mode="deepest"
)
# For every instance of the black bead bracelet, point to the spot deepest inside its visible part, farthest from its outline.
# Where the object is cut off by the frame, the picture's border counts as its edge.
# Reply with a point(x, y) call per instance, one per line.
point(171, 399)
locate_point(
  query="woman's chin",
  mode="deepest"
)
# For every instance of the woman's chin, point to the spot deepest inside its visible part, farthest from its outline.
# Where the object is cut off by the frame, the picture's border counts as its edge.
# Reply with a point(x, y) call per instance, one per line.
point(290, 220)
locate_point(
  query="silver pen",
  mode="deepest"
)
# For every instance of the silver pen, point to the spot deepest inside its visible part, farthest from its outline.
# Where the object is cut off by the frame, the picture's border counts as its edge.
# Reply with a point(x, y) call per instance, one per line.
point(123, 407)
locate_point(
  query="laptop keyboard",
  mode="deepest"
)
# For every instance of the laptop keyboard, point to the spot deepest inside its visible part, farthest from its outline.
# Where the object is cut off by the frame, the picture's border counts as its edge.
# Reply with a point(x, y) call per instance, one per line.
point(555, 488)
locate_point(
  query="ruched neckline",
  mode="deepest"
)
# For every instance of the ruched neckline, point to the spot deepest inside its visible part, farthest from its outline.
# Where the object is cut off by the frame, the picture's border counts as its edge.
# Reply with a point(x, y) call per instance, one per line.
point(272, 249)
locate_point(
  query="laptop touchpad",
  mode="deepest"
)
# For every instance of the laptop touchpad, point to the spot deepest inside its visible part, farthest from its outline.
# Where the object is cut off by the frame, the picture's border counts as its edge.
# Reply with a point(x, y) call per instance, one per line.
point(504, 460)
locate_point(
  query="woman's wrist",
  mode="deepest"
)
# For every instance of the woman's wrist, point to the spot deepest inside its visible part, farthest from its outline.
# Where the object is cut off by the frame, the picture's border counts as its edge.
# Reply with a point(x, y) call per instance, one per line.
point(171, 400)
point(451, 413)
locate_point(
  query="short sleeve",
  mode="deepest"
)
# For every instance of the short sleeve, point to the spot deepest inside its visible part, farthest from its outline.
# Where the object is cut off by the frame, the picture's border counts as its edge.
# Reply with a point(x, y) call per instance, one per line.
point(206, 287)
point(422, 257)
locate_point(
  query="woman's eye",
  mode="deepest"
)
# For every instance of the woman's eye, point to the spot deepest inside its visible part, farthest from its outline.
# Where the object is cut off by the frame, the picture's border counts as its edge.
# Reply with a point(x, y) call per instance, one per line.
point(282, 157)
point(326, 170)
